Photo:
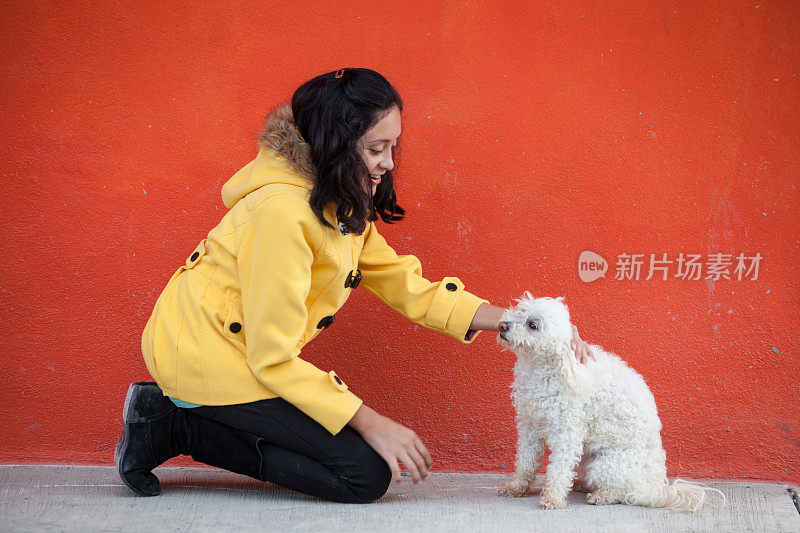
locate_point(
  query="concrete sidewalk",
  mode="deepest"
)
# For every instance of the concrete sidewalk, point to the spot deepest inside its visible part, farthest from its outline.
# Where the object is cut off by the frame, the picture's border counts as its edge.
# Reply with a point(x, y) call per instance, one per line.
point(72, 498)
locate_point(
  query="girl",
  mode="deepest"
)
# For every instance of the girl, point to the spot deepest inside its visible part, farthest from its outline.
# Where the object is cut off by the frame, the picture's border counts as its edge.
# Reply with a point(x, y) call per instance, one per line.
point(223, 340)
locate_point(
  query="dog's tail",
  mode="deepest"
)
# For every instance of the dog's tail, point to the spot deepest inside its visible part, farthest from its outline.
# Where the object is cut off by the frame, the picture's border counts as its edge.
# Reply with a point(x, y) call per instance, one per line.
point(679, 495)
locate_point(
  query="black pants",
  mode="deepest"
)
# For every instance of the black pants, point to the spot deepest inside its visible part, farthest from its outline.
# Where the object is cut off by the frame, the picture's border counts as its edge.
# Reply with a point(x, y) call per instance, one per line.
point(299, 454)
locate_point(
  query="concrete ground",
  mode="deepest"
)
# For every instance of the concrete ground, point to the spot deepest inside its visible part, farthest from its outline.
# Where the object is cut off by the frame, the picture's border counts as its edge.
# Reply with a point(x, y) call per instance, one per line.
point(81, 498)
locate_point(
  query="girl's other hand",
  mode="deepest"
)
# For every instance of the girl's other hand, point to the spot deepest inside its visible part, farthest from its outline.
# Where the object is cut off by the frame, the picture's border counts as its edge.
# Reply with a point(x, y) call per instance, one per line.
point(581, 348)
point(394, 442)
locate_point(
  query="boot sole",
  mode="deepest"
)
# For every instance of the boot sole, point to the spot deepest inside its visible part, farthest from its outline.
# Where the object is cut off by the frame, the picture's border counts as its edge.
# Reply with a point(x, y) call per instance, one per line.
point(122, 443)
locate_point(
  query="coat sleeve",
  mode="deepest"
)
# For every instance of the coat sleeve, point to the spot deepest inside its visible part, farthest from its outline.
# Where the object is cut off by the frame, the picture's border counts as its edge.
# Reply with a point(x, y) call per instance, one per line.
point(274, 263)
point(442, 306)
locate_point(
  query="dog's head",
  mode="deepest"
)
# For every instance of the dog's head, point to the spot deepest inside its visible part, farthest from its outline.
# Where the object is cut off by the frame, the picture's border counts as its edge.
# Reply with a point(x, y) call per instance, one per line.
point(538, 330)
point(536, 324)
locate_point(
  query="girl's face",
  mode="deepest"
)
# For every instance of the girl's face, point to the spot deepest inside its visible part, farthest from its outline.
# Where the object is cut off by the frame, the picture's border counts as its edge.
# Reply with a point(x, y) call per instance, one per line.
point(376, 146)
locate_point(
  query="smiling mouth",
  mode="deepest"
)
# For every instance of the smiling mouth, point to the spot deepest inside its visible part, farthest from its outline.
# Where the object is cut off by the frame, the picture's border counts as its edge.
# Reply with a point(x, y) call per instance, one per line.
point(502, 337)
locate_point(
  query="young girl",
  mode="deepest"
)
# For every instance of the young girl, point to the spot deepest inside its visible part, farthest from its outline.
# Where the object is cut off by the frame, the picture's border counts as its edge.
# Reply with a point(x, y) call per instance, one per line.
point(223, 341)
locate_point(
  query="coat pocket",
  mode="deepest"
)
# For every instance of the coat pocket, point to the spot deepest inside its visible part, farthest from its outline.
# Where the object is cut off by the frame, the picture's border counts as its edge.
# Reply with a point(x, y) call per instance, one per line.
point(233, 328)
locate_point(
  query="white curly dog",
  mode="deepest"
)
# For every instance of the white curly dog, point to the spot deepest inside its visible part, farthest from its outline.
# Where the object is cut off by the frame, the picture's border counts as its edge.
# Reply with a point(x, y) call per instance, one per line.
point(600, 418)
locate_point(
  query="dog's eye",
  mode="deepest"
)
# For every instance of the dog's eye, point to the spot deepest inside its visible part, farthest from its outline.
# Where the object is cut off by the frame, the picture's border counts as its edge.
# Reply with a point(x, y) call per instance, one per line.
point(533, 325)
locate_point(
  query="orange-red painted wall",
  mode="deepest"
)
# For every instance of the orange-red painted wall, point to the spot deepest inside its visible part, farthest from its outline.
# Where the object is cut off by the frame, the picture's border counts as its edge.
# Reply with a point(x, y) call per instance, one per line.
point(530, 134)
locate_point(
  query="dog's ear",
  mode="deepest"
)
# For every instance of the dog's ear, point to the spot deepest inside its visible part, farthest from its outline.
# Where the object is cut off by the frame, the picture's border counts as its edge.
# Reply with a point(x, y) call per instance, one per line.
point(571, 370)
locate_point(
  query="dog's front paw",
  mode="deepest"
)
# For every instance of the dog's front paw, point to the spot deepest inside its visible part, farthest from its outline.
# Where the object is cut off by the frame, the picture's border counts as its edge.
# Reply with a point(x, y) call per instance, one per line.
point(548, 501)
point(514, 489)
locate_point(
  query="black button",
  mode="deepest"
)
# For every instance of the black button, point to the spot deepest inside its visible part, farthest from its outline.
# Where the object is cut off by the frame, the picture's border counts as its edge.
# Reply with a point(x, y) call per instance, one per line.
point(194, 256)
point(339, 381)
point(235, 327)
point(325, 322)
point(452, 287)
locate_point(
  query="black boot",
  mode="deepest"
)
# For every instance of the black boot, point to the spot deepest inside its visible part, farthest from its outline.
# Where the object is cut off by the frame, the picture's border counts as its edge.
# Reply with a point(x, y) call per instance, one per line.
point(145, 442)
point(156, 430)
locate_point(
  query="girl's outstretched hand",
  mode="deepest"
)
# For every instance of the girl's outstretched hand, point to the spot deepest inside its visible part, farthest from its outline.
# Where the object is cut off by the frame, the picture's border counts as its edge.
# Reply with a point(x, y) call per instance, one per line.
point(394, 442)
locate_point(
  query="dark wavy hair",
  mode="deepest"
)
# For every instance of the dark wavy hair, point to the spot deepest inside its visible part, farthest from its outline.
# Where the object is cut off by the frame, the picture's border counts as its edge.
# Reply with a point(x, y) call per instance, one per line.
point(332, 112)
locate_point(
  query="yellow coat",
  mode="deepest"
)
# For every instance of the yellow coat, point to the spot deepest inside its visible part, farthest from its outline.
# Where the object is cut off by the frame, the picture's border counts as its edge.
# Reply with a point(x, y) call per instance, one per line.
point(231, 322)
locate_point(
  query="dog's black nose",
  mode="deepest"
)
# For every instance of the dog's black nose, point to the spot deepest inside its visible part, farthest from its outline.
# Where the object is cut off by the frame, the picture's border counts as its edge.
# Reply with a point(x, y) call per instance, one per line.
point(503, 327)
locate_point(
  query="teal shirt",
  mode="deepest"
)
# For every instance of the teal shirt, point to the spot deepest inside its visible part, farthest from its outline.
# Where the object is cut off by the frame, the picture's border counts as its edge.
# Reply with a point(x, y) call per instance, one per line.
point(181, 403)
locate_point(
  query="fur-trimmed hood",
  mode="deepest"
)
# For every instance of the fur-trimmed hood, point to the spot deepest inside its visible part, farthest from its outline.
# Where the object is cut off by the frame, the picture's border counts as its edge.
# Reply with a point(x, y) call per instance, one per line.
point(283, 158)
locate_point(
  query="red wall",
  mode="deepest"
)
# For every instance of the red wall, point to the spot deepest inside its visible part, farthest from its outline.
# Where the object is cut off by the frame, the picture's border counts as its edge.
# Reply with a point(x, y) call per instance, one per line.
point(530, 134)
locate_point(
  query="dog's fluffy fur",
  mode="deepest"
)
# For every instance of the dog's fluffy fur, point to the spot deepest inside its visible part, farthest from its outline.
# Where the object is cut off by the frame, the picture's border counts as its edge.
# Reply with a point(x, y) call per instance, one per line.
point(600, 417)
